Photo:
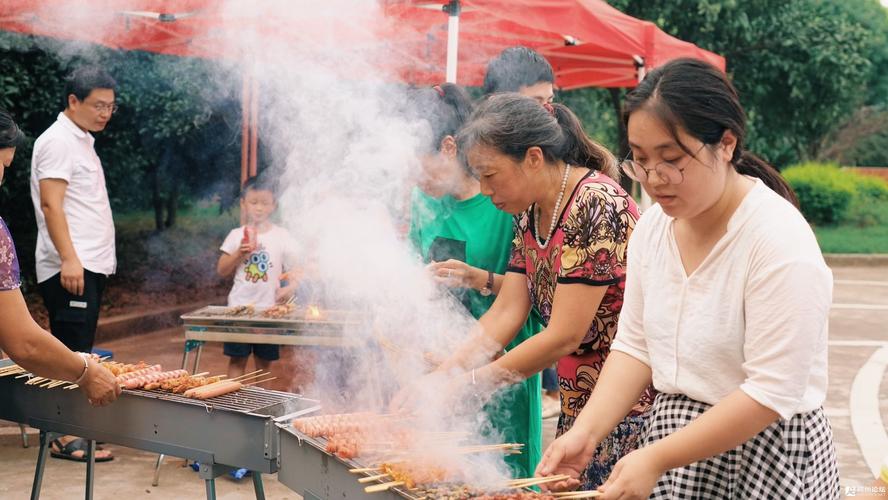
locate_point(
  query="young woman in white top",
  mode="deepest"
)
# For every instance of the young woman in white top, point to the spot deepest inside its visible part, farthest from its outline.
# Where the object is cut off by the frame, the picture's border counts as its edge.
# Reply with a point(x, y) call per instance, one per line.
point(726, 310)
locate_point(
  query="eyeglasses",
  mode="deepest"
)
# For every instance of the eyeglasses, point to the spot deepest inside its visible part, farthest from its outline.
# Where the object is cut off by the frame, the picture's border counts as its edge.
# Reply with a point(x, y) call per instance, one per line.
point(102, 107)
point(668, 172)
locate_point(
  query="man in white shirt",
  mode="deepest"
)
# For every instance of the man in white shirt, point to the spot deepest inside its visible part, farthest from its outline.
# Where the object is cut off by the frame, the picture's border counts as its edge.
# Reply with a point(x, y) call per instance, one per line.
point(75, 232)
point(75, 239)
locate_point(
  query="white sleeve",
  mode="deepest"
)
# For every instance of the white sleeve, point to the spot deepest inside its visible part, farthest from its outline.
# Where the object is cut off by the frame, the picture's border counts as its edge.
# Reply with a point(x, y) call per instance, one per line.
point(53, 161)
point(232, 241)
point(630, 337)
point(787, 300)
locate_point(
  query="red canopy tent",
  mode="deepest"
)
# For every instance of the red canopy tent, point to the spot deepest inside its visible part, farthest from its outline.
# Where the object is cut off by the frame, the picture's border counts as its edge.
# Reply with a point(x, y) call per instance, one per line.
point(588, 42)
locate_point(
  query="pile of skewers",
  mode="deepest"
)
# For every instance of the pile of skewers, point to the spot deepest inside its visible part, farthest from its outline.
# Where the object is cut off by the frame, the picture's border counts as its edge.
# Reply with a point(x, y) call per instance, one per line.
point(151, 377)
point(391, 435)
point(433, 481)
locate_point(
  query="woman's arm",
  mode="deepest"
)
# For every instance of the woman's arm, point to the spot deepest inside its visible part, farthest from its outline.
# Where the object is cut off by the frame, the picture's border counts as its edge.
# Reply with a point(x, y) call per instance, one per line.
point(573, 311)
point(622, 380)
point(31, 347)
point(497, 327)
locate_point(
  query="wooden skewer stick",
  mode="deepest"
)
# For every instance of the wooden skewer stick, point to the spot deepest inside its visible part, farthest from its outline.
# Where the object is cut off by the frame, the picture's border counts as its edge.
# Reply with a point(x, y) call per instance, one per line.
point(376, 488)
point(533, 481)
point(370, 479)
point(491, 447)
point(577, 494)
point(245, 375)
point(261, 381)
point(361, 470)
point(252, 377)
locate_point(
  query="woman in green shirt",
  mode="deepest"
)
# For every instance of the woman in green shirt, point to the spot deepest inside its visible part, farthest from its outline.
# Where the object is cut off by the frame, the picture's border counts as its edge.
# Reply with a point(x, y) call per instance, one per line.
point(467, 242)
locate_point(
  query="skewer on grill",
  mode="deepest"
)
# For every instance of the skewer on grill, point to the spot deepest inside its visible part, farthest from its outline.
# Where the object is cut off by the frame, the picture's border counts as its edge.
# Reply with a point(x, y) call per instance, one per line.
point(261, 381)
point(376, 488)
point(491, 447)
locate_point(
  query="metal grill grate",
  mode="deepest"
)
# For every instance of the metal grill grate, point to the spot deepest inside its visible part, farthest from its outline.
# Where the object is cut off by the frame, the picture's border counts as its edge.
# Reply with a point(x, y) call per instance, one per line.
point(246, 400)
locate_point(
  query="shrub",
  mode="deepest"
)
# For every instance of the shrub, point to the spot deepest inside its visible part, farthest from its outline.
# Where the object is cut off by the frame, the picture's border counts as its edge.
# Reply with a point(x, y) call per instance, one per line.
point(825, 192)
point(870, 204)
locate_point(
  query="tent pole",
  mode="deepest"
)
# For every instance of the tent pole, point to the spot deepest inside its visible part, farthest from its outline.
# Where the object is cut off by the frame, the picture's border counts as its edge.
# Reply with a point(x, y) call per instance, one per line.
point(245, 129)
point(254, 126)
point(452, 9)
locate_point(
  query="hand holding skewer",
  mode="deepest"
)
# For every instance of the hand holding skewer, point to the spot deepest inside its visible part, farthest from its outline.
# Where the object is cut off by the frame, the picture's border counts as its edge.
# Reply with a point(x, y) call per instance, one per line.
point(634, 476)
point(568, 455)
point(100, 385)
point(455, 273)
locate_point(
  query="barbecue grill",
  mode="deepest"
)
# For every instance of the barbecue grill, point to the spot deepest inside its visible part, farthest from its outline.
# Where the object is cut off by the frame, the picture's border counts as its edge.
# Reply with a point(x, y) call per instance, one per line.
point(317, 475)
point(216, 324)
point(236, 430)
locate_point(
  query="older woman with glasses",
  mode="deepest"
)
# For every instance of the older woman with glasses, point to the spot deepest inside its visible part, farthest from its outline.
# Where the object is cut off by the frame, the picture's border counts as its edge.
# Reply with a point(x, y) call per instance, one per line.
point(21, 338)
point(725, 310)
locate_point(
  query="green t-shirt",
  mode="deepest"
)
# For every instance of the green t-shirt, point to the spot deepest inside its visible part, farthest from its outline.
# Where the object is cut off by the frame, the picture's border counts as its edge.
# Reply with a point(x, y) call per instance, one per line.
point(475, 232)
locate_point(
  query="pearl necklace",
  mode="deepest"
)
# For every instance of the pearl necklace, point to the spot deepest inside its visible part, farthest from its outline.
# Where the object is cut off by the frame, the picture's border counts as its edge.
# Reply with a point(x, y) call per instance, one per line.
point(554, 224)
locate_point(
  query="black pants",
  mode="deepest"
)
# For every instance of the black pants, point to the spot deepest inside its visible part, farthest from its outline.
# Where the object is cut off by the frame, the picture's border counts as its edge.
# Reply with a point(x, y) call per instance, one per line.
point(72, 318)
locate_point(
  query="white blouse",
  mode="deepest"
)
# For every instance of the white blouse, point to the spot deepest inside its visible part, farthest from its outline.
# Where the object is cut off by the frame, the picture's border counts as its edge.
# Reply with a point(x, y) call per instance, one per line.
point(754, 314)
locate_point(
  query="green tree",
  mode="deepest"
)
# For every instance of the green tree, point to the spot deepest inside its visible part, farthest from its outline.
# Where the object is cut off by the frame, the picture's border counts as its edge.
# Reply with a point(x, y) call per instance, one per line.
point(801, 66)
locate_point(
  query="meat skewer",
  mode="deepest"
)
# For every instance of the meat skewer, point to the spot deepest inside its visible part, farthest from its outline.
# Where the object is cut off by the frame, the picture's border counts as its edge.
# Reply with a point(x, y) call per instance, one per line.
point(139, 381)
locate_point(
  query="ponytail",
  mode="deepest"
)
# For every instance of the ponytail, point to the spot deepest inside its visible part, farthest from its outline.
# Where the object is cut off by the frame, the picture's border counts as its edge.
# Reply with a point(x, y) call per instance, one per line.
point(749, 164)
point(579, 149)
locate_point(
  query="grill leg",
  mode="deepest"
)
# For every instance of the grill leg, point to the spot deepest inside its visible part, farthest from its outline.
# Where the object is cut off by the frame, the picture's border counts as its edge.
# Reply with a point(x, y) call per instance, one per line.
point(211, 489)
point(157, 465)
point(257, 485)
point(90, 468)
point(41, 464)
point(197, 357)
point(24, 435)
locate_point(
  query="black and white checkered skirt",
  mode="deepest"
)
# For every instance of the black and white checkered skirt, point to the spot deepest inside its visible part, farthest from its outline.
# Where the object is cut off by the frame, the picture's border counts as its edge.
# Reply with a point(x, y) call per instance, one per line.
point(790, 460)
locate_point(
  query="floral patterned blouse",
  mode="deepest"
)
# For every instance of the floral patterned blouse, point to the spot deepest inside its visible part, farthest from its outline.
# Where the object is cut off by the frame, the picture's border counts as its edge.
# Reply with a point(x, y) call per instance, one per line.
point(10, 277)
point(588, 246)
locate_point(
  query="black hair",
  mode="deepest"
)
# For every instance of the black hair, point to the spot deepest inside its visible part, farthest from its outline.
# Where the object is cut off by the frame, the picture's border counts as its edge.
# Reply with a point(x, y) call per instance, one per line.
point(445, 108)
point(512, 123)
point(10, 135)
point(699, 98)
point(259, 182)
point(514, 68)
point(84, 80)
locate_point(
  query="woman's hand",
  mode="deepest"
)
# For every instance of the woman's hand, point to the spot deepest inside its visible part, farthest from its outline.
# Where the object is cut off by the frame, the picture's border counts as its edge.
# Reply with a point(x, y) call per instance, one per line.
point(101, 386)
point(634, 476)
point(457, 274)
point(570, 454)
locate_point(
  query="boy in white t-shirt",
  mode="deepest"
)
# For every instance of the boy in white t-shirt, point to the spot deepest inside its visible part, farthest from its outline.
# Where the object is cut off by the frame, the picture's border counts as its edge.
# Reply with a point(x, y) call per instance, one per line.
point(255, 255)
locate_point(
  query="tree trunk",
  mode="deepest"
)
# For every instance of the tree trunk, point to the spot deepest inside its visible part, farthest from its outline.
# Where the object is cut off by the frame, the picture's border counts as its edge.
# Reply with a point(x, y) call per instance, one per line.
point(172, 204)
point(156, 198)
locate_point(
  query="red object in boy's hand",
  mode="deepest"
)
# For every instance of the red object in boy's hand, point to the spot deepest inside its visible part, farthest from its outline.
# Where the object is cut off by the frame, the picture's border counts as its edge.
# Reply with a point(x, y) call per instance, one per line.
point(249, 238)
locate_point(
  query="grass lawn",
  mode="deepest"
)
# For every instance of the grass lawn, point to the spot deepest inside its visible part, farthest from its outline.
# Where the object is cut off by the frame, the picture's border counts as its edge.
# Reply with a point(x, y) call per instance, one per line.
point(853, 239)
